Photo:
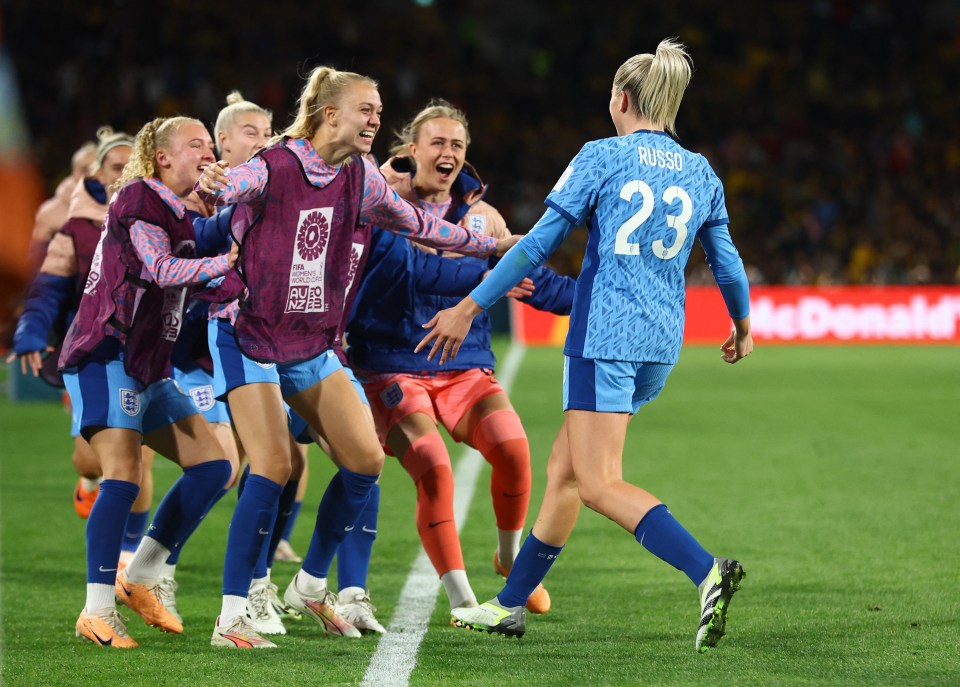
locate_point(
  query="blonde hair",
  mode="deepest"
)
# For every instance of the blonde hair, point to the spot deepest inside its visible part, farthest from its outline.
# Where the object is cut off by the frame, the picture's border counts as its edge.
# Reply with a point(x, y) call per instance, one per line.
point(236, 105)
point(325, 86)
point(107, 140)
point(77, 159)
point(655, 83)
point(436, 109)
point(153, 136)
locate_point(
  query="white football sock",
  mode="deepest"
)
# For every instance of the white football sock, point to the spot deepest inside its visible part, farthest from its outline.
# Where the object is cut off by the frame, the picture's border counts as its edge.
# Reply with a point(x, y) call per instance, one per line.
point(457, 586)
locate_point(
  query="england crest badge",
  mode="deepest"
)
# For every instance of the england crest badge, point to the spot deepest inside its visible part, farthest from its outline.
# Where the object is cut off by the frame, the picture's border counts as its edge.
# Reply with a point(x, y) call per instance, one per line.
point(203, 397)
point(392, 395)
point(130, 402)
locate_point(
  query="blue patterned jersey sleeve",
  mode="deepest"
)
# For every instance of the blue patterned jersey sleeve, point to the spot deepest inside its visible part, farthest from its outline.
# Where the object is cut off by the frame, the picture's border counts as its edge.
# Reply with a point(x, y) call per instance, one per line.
point(529, 253)
point(576, 191)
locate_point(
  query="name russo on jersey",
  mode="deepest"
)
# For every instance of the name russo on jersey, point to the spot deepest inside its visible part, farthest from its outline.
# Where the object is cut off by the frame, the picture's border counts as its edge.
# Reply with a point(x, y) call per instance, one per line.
point(660, 158)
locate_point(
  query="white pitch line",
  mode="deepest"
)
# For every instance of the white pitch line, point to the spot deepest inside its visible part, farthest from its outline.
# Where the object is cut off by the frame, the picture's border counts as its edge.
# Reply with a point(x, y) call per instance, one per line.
point(396, 654)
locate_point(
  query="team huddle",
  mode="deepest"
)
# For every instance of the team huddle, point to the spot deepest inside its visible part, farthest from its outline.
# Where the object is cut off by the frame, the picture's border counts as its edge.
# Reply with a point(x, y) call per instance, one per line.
point(235, 298)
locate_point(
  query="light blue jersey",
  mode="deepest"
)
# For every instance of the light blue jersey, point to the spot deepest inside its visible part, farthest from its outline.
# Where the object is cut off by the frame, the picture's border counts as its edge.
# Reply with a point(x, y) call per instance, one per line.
point(644, 198)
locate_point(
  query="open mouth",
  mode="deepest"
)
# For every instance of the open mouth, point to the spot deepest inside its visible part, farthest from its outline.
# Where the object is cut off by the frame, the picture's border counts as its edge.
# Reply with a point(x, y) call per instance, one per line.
point(445, 170)
point(368, 135)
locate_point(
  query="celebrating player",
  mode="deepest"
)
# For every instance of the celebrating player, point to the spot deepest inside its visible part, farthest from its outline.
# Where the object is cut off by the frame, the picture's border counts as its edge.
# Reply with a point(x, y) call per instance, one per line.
point(410, 397)
point(306, 206)
point(644, 199)
point(116, 367)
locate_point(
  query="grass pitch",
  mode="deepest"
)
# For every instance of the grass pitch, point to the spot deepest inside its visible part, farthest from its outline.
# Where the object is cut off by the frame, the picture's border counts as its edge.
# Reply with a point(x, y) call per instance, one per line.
point(830, 472)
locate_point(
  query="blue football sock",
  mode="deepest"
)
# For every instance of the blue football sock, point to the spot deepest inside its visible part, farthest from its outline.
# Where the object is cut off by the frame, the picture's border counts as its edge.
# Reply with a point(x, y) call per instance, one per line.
point(530, 567)
point(188, 501)
point(341, 505)
point(353, 557)
point(284, 508)
point(174, 556)
point(292, 520)
point(660, 534)
point(105, 527)
point(133, 532)
point(249, 533)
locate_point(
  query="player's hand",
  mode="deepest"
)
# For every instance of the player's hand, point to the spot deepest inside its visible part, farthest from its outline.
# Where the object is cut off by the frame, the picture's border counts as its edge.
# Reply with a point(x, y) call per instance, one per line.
point(33, 359)
point(448, 328)
point(503, 245)
point(234, 253)
point(737, 347)
point(213, 179)
point(522, 290)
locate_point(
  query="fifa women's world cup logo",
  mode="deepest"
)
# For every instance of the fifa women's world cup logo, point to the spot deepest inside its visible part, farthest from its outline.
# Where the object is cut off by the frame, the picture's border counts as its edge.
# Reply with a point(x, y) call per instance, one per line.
point(312, 236)
point(307, 268)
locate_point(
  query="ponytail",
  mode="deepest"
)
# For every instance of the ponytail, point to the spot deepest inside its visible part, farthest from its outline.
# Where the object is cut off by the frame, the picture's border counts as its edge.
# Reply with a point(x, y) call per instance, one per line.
point(154, 135)
point(655, 84)
point(325, 86)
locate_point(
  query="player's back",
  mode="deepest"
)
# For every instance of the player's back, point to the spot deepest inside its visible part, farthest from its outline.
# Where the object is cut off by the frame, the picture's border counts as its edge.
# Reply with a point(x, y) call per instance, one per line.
point(650, 197)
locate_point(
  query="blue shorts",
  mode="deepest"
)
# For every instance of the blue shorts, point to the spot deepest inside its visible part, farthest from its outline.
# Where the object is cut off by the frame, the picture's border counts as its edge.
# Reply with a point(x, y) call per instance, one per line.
point(104, 395)
point(74, 421)
point(198, 385)
point(232, 368)
point(298, 426)
point(297, 377)
point(611, 386)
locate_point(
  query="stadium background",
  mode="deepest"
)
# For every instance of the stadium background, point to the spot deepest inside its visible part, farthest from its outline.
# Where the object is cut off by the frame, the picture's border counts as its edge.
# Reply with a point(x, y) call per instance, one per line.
point(834, 124)
point(835, 128)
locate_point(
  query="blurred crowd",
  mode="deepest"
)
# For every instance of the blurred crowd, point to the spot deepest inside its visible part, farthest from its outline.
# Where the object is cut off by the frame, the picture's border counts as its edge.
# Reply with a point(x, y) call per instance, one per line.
point(831, 122)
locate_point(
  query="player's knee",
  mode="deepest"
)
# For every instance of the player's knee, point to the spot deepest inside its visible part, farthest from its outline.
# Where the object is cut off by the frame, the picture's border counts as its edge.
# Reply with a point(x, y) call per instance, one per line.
point(85, 467)
point(273, 464)
point(369, 462)
point(501, 432)
point(592, 494)
point(560, 474)
point(424, 454)
point(85, 461)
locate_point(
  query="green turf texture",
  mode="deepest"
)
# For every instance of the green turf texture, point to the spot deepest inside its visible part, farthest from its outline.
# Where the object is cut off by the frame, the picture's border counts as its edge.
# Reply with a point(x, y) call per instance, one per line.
point(832, 473)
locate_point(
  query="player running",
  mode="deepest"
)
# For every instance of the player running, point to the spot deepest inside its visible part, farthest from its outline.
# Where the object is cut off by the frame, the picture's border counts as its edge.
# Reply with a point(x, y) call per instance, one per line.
point(644, 199)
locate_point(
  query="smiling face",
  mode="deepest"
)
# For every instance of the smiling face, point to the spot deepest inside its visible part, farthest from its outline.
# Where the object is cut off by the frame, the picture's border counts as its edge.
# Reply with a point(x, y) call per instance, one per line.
point(247, 134)
point(439, 151)
point(184, 156)
point(356, 118)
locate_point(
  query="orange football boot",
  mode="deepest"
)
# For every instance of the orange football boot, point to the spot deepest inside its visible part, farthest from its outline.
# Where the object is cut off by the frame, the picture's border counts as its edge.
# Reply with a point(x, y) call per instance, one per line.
point(145, 600)
point(105, 629)
point(83, 499)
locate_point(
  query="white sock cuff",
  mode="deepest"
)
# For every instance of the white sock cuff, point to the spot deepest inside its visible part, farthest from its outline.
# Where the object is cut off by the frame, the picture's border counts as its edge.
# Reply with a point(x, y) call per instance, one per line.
point(458, 589)
point(148, 561)
point(233, 607)
point(348, 594)
point(308, 584)
point(90, 484)
point(99, 597)
point(508, 546)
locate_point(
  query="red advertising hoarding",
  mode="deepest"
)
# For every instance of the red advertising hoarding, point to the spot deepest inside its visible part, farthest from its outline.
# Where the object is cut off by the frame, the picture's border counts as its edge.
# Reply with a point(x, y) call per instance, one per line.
point(784, 314)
